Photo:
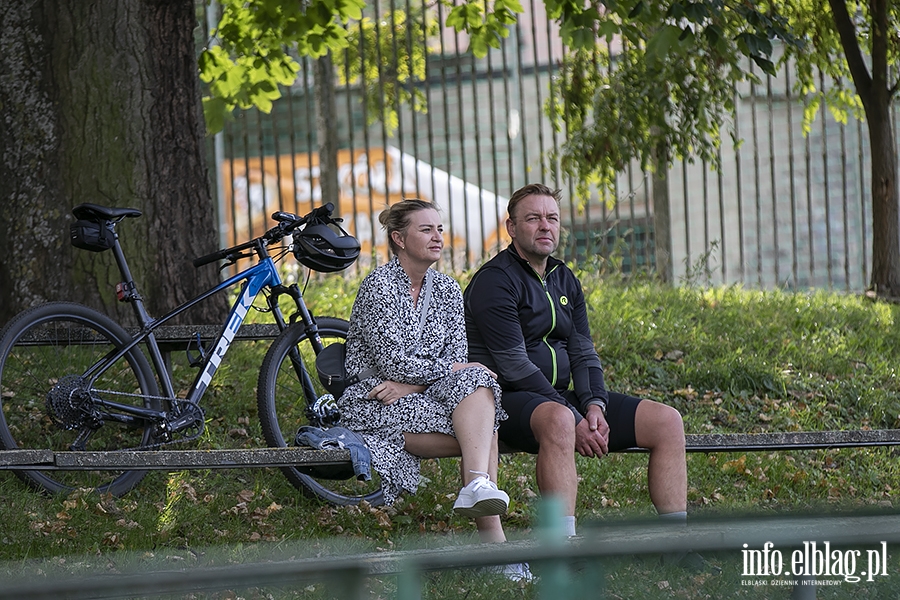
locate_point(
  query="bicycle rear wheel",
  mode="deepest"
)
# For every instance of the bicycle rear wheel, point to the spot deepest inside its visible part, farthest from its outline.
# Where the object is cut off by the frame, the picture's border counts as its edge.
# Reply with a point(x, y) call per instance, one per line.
point(45, 401)
point(282, 410)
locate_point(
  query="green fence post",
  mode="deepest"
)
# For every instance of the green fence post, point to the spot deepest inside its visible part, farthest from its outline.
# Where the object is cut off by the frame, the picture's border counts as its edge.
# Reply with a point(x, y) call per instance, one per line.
point(555, 577)
point(409, 582)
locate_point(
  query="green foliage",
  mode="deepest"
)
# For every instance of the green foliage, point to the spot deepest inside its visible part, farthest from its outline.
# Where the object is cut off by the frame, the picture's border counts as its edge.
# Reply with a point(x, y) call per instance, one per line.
point(823, 73)
point(653, 81)
point(488, 28)
point(254, 52)
point(258, 42)
point(386, 57)
point(730, 360)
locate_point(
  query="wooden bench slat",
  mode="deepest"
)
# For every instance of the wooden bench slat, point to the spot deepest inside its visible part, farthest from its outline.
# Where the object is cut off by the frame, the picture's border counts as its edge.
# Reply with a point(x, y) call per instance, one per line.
point(171, 459)
point(300, 456)
point(795, 440)
point(15, 458)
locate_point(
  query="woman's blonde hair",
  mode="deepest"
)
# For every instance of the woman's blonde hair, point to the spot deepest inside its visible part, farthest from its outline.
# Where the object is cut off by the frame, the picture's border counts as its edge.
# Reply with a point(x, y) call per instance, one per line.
point(397, 217)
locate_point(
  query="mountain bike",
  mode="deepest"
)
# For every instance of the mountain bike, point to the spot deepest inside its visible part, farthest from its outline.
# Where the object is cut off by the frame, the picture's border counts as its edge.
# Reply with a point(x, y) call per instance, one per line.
point(72, 379)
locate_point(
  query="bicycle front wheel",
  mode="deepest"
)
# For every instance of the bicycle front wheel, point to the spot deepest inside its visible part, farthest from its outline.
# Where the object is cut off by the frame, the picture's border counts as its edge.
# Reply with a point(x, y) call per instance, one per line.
point(47, 401)
point(283, 399)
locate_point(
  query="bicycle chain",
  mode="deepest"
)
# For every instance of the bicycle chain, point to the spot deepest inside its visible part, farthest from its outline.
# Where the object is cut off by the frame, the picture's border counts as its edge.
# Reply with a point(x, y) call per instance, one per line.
point(181, 440)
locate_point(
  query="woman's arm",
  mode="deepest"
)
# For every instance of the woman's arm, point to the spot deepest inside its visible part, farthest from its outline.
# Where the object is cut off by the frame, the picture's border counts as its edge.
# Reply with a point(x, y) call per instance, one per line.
point(389, 336)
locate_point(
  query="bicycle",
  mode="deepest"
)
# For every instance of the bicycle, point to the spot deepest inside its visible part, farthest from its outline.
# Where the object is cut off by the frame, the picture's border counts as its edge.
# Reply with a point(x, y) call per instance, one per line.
point(71, 378)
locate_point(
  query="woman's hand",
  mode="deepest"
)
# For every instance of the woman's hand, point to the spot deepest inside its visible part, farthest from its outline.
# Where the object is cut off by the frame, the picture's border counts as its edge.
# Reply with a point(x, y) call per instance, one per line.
point(458, 366)
point(388, 392)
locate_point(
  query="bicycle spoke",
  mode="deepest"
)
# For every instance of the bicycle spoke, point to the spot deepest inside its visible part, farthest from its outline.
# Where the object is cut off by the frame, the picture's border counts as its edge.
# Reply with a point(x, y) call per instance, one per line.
point(48, 404)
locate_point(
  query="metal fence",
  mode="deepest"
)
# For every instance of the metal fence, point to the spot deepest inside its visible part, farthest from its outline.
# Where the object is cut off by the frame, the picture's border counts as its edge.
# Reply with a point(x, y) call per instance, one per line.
point(785, 210)
point(845, 556)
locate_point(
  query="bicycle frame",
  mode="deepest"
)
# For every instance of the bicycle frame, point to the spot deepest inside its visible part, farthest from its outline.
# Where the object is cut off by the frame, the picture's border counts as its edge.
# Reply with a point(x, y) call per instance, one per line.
point(258, 277)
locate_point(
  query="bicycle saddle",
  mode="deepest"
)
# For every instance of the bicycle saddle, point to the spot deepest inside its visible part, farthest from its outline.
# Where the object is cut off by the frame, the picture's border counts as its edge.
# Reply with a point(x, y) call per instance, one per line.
point(95, 211)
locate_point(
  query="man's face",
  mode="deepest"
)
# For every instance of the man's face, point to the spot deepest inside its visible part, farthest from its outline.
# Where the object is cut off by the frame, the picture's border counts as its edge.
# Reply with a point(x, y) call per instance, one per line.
point(534, 227)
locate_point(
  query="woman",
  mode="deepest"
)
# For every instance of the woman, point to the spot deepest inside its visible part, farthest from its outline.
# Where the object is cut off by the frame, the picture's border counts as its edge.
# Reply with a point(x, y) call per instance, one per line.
point(425, 400)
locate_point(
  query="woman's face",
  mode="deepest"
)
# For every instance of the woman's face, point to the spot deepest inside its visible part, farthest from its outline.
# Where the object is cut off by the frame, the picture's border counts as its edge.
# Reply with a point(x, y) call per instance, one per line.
point(424, 238)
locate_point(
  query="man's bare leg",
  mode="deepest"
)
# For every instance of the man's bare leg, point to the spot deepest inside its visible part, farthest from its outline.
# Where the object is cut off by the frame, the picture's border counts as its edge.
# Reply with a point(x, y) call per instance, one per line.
point(660, 429)
point(554, 428)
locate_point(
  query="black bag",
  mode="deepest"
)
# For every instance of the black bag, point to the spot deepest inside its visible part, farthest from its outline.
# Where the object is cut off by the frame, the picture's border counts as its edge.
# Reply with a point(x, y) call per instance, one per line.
point(332, 370)
point(95, 236)
point(331, 365)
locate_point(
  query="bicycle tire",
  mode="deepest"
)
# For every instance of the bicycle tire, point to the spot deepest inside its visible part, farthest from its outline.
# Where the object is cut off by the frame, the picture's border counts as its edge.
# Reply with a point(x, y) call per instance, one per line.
point(282, 410)
point(40, 349)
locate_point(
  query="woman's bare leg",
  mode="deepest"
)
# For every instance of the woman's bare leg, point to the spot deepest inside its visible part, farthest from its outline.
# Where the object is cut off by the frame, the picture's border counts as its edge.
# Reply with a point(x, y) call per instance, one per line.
point(473, 422)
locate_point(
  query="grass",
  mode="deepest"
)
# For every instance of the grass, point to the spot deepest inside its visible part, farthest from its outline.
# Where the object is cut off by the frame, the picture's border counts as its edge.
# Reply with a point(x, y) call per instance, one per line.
point(731, 360)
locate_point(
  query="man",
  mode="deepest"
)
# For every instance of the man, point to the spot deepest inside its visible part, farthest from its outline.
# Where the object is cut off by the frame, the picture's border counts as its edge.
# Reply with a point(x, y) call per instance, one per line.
point(526, 321)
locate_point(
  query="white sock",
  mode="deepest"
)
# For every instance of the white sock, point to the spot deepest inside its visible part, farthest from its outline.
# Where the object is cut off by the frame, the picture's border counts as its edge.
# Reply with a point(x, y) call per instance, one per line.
point(674, 517)
point(569, 525)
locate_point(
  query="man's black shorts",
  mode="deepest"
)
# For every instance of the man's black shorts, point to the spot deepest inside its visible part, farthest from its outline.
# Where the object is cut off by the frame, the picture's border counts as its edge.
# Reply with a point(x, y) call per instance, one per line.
point(516, 432)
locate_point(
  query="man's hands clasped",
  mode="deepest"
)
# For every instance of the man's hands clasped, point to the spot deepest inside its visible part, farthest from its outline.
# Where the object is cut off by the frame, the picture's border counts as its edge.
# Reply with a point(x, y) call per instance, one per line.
point(592, 434)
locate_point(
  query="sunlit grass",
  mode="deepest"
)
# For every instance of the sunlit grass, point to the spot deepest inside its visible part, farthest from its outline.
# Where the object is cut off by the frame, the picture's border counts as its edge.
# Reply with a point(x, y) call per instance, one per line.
point(731, 360)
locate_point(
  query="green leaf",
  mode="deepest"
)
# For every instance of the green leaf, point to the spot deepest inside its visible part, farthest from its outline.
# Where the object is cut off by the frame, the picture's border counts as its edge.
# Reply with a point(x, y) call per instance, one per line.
point(213, 63)
point(637, 10)
point(214, 113)
point(662, 43)
point(285, 70)
point(765, 64)
point(457, 18)
point(349, 9)
point(511, 5)
point(713, 34)
point(479, 45)
point(608, 30)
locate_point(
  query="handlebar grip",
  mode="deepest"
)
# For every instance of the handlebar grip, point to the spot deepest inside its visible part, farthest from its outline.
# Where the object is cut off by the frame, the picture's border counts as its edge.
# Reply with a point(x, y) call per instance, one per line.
point(205, 260)
point(323, 211)
point(282, 216)
point(288, 222)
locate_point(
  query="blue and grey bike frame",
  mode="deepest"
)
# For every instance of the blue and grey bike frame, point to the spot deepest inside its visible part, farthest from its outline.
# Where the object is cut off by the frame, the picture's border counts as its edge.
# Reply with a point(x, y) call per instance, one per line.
point(262, 275)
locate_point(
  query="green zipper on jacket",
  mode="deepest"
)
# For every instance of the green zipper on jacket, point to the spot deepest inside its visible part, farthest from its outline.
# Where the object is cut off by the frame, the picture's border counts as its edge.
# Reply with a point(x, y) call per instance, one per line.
point(552, 324)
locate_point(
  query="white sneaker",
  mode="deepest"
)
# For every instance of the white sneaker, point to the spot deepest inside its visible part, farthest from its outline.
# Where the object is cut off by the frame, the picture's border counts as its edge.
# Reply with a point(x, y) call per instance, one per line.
point(518, 572)
point(481, 498)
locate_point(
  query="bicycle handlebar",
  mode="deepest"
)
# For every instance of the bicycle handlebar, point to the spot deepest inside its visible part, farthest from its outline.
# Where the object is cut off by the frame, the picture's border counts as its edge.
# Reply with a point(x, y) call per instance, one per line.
point(287, 222)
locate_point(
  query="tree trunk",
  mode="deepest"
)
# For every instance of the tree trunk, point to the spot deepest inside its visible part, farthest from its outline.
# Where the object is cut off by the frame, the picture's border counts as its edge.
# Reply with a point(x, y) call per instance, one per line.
point(874, 90)
point(885, 218)
point(100, 102)
point(662, 216)
point(326, 130)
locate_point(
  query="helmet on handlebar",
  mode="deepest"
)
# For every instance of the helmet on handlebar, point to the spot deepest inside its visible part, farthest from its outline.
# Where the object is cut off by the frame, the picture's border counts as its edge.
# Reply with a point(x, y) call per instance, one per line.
point(320, 248)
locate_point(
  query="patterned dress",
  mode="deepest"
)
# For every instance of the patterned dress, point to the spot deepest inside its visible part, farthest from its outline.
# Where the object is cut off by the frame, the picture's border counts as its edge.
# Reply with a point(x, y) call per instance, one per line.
point(384, 336)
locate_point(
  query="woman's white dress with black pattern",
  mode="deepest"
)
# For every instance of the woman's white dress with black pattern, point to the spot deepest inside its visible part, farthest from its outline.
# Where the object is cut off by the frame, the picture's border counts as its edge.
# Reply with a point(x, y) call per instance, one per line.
point(384, 336)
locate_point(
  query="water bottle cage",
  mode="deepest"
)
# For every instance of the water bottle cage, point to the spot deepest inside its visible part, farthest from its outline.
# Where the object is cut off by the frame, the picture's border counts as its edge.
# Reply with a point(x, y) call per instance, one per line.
point(196, 360)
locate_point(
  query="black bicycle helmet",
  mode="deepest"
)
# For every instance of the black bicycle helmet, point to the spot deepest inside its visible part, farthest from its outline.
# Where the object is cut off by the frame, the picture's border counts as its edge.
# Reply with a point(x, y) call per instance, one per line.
point(320, 248)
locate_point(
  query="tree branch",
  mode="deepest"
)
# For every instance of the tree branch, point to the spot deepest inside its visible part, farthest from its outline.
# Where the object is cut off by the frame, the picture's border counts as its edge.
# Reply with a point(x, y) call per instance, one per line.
point(856, 61)
point(879, 16)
